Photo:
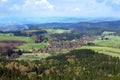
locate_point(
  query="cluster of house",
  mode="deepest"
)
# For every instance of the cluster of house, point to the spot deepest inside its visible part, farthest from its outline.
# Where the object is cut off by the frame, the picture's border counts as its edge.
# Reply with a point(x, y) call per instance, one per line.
point(59, 46)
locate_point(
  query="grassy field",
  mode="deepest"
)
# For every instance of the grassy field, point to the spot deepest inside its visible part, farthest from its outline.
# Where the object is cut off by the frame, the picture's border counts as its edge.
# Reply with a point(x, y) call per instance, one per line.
point(6, 34)
point(105, 50)
point(20, 38)
point(108, 44)
point(113, 41)
point(29, 31)
point(58, 31)
point(108, 33)
point(31, 56)
point(30, 44)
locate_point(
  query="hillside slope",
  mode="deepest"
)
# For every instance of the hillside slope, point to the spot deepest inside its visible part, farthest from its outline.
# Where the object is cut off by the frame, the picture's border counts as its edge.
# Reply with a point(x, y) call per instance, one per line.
point(76, 65)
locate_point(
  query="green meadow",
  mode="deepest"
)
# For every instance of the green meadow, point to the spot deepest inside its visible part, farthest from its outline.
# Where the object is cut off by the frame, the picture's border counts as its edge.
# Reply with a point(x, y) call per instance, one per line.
point(113, 41)
point(30, 44)
point(56, 31)
point(19, 38)
point(105, 50)
point(108, 43)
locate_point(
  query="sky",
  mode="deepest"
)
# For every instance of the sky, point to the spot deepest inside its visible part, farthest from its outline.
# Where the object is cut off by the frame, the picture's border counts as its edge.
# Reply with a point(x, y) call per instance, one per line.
point(60, 8)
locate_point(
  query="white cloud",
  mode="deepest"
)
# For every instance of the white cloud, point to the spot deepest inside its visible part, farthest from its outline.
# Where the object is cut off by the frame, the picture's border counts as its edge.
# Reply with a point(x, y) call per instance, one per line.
point(38, 4)
point(33, 5)
point(44, 2)
point(62, 7)
point(93, 8)
point(77, 9)
point(3, 0)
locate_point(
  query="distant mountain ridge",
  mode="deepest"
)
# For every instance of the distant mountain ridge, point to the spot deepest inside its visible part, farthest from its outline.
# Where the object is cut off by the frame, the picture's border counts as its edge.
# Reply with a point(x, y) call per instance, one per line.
point(13, 27)
point(105, 24)
point(82, 24)
point(40, 20)
point(77, 25)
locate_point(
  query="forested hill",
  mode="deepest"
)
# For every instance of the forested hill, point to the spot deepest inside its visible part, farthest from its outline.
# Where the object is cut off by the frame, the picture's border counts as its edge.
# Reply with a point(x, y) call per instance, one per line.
point(106, 25)
point(76, 65)
point(13, 27)
point(80, 24)
point(109, 25)
point(84, 26)
point(98, 27)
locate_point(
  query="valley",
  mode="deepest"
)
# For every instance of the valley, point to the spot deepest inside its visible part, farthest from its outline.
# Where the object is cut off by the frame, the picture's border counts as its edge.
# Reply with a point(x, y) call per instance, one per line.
point(59, 39)
point(50, 52)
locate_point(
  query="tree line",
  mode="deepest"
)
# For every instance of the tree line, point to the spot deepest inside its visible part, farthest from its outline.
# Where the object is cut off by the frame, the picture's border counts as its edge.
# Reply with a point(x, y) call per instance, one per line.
point(76, 65)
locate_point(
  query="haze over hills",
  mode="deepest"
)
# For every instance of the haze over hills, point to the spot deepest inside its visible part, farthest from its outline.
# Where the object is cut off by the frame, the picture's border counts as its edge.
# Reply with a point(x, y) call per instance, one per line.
point(30, 20)
point(59, 39)
point(17, 24)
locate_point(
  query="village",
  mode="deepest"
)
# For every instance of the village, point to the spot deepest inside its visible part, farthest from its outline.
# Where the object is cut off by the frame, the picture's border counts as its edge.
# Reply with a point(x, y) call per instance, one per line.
point(57, 46)
point(53, 47)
